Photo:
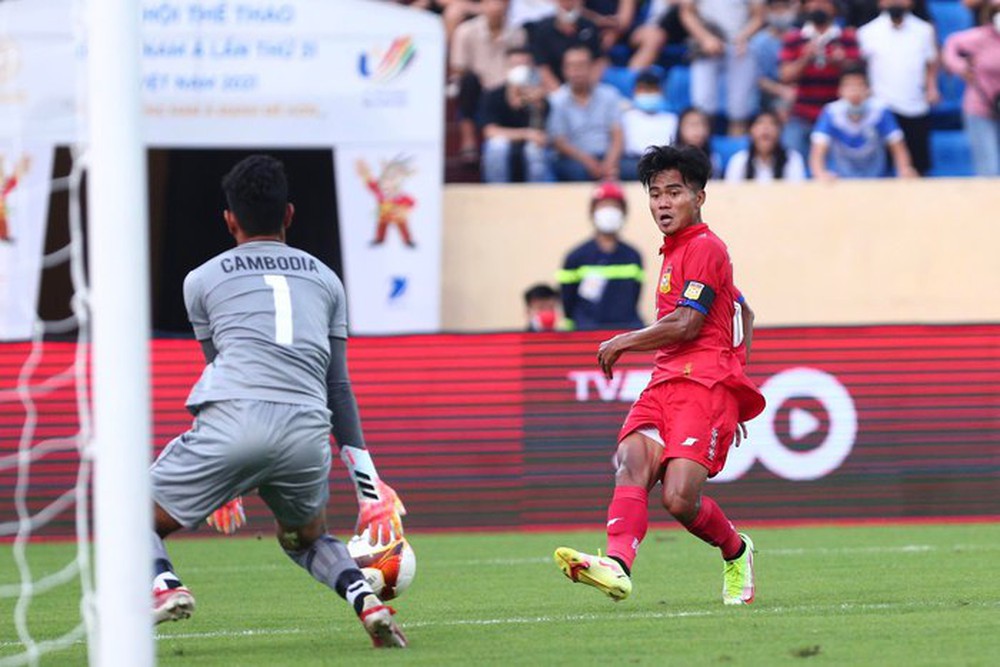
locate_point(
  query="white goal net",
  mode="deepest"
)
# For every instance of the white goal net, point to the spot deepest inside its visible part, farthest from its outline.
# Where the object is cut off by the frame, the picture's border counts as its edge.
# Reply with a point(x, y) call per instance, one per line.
point(73, 391)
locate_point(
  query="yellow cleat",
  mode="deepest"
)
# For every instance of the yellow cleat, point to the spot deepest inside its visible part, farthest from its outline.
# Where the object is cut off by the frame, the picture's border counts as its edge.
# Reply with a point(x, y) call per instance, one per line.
point(738, 576)
point(604, 574)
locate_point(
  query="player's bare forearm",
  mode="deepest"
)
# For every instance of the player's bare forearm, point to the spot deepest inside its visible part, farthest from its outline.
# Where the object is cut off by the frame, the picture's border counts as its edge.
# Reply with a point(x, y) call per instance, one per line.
point(681, 325)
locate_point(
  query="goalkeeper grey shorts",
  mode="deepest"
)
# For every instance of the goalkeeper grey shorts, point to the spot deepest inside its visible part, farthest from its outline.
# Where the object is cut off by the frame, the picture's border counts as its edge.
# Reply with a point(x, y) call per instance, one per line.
point(235, 446)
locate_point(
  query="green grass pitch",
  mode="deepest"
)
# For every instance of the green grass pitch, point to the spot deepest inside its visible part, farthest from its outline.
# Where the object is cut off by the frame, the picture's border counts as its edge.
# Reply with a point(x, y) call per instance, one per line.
point(872, 595)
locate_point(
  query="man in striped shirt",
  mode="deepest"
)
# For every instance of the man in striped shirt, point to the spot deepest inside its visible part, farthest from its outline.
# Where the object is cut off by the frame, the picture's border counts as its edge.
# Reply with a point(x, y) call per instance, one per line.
point(812, 59)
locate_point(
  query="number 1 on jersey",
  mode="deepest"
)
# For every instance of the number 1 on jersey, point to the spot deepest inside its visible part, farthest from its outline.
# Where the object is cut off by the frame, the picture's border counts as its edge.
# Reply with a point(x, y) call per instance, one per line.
point(282, 308)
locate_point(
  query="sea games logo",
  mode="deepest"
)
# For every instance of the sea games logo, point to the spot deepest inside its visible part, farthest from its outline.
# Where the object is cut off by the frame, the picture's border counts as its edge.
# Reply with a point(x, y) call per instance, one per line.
point(382, 65)
point(806, 431)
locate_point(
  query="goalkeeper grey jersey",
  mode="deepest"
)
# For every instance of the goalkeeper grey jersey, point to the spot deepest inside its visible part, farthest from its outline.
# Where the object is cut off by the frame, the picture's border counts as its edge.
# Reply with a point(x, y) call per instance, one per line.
point(269, 310)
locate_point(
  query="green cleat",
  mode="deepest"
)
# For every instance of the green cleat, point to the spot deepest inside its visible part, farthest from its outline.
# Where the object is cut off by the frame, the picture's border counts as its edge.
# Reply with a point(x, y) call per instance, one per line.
point(604, 574)
point(737, 576)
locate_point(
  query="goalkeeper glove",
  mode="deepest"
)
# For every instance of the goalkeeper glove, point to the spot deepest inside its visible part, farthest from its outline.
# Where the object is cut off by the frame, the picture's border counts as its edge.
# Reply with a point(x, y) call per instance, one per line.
point(228, 518)
point(380, 510)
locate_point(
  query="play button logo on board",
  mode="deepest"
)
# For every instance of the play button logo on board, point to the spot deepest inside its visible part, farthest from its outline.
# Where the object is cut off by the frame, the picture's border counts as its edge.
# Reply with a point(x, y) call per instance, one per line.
point(801, 423)
point(806, 431)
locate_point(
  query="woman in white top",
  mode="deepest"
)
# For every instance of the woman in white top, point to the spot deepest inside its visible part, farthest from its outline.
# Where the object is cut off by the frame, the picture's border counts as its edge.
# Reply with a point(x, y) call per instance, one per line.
point(766, 159)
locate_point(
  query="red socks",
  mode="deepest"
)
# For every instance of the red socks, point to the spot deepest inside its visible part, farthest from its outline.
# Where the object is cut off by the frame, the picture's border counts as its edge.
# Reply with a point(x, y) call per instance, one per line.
point(712, 526)
point(628, 519)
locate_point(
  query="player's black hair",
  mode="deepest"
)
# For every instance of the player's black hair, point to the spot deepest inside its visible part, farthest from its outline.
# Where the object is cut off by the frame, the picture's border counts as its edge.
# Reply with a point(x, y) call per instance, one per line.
point(692, 163)
point(257, 193)
point(855, 69)
point(780, 153)
point(539, 291)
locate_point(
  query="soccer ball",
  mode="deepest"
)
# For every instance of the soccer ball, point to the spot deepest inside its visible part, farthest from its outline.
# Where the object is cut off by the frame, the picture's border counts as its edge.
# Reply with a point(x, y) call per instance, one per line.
point(388, 568)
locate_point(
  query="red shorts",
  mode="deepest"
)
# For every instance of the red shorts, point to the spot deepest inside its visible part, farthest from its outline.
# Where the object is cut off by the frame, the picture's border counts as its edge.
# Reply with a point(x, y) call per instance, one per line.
point(693, 421)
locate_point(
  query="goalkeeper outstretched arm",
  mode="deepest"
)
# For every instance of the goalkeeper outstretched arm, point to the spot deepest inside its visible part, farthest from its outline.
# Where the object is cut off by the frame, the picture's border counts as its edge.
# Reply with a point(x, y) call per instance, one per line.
point(379, 508)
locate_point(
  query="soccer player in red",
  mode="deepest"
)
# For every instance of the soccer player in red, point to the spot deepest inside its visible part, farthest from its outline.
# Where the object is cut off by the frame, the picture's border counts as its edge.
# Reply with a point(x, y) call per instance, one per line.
point(679, 430)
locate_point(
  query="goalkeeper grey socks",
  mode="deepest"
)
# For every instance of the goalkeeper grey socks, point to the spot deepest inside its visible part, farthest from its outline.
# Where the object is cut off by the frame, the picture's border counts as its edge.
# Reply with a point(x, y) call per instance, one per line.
point(353, 587)
point(329, 563)
point(163, 570)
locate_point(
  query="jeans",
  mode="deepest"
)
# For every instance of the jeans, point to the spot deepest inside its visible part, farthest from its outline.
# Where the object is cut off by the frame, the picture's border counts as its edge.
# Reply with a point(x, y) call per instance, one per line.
point(738, 73)
point(497, 161)
point(568, 169)
point(984, 139)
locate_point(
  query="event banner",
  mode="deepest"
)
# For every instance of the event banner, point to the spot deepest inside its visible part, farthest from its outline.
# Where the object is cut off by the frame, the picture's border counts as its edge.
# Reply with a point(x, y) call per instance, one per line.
point(389, 201)
point(360, 77)
point(515, 431)
point(25, 174)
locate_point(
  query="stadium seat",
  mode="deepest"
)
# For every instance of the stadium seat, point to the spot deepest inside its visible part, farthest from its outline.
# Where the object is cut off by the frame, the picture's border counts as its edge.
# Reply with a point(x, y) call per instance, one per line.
point(726, 147)
point(950, 154)
point(947, 115)
point(949, 17)
point(677, 88)
point(619, 55)
point(673, 55)
point(621, 78)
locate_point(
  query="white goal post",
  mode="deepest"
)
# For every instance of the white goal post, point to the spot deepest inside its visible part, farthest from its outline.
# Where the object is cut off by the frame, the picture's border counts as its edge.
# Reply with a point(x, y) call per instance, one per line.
point(120, 313)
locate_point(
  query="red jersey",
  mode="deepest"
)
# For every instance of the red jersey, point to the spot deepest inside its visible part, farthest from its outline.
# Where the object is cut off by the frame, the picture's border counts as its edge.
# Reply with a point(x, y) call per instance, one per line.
point(697, 273)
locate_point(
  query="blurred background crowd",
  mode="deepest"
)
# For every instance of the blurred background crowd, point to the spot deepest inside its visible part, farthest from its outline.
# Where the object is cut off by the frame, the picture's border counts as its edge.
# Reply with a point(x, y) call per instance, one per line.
point(574, 90)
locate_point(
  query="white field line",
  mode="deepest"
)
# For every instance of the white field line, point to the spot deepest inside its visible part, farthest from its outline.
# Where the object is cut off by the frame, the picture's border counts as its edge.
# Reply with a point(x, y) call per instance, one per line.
point(534, 560)
point(578, 618)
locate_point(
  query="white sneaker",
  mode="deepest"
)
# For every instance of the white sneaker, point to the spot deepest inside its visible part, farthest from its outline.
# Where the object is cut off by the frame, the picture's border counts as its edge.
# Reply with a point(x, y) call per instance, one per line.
point(172, 604)
point(377, 619)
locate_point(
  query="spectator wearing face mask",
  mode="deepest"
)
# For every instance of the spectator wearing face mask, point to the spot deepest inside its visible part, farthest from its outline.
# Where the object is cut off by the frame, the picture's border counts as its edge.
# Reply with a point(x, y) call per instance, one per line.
point(974, 55)
point(541, 308)
point(646, 123)
point(477, 63)
point(851, 135)
point(765, 49)
point(513, 116)
point(812, 59)
point(601, 279)
point(901, 52)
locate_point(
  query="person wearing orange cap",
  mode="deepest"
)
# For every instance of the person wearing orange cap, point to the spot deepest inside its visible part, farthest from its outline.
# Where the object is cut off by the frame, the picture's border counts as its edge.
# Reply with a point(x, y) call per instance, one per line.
point(601, 278)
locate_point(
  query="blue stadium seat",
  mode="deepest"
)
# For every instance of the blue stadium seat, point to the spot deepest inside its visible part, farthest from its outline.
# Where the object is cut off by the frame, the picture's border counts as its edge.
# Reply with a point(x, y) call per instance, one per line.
point(677, 88)
point(673, 55)
point(949, 17)
point(621, 78)
point(950, 154)
point(619, 55)
point(726, 147)
point(947, 115)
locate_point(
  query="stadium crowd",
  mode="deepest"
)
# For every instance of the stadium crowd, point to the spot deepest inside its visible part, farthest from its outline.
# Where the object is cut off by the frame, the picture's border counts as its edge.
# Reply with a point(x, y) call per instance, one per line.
point(573, 90)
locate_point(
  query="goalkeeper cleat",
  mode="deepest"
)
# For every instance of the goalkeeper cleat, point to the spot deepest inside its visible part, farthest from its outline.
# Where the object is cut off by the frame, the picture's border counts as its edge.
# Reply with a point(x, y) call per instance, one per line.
point(737, 576)
point(378, 621)
point(604, 574)
point(172, 604)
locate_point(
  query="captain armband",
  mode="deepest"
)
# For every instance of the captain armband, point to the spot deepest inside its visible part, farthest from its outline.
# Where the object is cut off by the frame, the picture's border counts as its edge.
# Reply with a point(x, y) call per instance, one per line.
point(698, 296)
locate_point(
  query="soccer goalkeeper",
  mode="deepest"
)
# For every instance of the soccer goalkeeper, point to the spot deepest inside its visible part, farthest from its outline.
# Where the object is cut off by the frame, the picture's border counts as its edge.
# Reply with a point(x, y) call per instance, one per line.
point(272, 323)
